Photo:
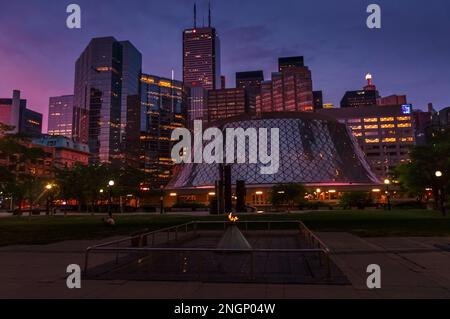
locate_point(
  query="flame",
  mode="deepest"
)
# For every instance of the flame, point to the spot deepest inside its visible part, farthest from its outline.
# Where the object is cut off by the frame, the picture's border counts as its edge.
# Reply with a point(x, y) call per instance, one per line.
point(232, 218)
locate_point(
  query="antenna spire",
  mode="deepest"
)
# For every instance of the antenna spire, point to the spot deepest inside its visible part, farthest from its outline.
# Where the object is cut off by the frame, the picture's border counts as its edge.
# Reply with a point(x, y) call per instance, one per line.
point(209, 14)
point(195, 15)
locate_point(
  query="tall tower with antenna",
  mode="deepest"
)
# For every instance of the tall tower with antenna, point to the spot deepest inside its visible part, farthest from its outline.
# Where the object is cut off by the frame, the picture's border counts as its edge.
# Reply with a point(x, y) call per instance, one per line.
point(201, 63)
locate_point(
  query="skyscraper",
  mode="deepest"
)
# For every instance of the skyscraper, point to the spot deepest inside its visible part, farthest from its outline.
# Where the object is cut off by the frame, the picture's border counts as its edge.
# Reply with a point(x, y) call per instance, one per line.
point(106, 79)
point(201, 61)
point(60, 116)
point(162, 111)
point(290, 90)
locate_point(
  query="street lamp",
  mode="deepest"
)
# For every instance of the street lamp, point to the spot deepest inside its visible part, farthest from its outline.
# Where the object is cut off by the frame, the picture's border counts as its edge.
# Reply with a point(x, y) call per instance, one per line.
point(102, 191)
point(48, 188)
point(161, 199)
point(387, 182)
point(111, 184)
point(441, 191)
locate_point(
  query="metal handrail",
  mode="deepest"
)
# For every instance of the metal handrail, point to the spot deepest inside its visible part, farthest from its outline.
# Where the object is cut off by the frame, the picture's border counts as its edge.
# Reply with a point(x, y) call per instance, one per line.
point(305, 231)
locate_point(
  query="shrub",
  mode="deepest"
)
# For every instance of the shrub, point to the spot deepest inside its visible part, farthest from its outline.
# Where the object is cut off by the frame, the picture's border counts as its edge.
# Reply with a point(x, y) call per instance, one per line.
point(355, 199)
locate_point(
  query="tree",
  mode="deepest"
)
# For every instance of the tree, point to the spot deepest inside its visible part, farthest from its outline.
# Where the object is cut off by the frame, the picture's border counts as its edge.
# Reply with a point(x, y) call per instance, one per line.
point(287, 194)
point(419, 174)
point(84, 182)
point(18, 173)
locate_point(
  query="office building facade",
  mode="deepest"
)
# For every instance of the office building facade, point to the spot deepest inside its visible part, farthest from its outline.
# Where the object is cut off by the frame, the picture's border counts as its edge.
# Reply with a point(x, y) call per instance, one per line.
point(14, 113)
point(60, 116)
point(65, 152)
point(106, 78)
point(290, 90)
point(384, 133)
point(163, 109)
point(226, 103)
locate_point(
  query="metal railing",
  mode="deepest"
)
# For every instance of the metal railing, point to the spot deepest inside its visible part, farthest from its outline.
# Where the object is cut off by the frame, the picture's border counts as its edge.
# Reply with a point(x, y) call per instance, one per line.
point(145, 243)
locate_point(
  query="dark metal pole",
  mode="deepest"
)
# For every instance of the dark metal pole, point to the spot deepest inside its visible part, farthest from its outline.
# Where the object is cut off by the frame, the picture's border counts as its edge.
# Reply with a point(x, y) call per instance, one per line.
point(161, 199)
point(388, 198)
point(110, 202)
point(47, 210)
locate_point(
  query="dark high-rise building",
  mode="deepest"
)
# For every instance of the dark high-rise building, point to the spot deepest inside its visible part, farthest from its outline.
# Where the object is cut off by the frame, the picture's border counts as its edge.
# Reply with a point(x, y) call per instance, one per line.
point(289, 91)
point(162, 111)
point(60, 116)
point(223, 82)
point(131, 73)
point(250, 81)
point(290, 62)
point(359, 98)
point(106, 80)
point(14, 112)
point(201, 62)
point(423, 121)
point(443, 117)
point(226, 103)
point(318, 100)
point(367, 97)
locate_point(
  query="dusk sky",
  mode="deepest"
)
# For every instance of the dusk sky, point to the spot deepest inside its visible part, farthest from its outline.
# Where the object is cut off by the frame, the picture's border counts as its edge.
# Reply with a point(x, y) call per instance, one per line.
point(409, 55)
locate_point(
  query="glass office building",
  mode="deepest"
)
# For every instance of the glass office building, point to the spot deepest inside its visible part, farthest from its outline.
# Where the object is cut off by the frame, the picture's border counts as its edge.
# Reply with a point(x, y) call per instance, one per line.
point(162, 111)
point(106, 78)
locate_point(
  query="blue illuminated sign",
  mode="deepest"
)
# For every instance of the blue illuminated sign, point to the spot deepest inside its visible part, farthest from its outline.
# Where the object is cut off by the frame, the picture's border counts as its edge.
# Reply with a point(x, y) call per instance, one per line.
point(407, 108)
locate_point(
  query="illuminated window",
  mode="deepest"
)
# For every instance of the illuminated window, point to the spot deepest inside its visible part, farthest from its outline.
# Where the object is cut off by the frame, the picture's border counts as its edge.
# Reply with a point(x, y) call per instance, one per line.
point(390, 140)
point(357, 134)
point(165, 83)
point(403, 125)
point(404, 118)
point(371, 120)
point(359, 127)
point(388, 126)
point(373, 140)
point(387, 119)
point(371, 127)
point(407, 139)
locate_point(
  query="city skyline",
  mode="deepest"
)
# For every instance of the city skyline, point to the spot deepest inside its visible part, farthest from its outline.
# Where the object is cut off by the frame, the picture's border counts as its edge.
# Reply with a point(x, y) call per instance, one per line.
point(407, 56)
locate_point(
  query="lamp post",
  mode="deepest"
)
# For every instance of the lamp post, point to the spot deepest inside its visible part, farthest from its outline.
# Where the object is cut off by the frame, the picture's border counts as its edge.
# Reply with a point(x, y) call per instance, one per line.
point(387, 182)
point(441, 192)
point(102, 191)
point(48, 188)
point(111, 184)
point(161, 199)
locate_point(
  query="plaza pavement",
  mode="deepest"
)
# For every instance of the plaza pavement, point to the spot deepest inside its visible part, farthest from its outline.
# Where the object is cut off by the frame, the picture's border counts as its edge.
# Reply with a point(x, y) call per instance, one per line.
point(411, 268)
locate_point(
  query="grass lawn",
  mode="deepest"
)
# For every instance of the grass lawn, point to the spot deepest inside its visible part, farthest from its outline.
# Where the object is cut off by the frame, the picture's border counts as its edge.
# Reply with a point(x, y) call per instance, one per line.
point(42, 230)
